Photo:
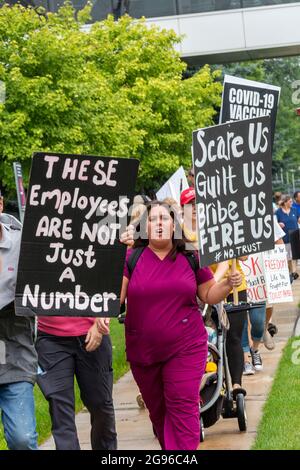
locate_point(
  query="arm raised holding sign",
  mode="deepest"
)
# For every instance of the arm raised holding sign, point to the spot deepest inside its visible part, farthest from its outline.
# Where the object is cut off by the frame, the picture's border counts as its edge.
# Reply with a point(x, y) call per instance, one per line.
point(213, 292)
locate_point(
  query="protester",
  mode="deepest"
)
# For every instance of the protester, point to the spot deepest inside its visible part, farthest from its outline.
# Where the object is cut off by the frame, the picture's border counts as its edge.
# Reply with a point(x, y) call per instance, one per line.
point(166, 341)
point(189, 226)
point(257, 320)
point(271, 328)
point(237, 320)
point(288, 221)
point(18, 359)
point(296, 203)
point(221, 271)
point(73, 347)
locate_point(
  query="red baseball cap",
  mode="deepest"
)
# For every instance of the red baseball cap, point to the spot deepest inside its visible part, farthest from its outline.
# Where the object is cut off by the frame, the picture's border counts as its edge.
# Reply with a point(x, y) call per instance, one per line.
point(187, 196)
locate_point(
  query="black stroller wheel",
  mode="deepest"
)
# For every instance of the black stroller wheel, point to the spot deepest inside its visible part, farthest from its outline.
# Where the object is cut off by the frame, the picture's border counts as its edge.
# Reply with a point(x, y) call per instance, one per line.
point(241, 412)
point(202, 432)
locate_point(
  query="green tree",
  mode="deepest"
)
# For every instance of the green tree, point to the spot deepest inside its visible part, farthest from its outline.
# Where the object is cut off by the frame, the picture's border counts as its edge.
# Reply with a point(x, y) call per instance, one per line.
point(115, 90)
point(284, 72)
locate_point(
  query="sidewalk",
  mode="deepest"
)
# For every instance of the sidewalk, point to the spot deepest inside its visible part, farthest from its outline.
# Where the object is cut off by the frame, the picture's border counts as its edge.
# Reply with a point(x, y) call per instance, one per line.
point(133, 425)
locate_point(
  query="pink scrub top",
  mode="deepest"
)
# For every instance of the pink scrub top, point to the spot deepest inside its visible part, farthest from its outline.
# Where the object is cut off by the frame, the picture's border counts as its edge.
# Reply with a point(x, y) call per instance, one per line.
point(65, 326)
point(163, 315)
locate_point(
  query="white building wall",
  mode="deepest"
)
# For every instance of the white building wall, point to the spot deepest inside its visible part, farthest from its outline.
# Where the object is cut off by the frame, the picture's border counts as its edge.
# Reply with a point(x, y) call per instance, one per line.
point(243, 31)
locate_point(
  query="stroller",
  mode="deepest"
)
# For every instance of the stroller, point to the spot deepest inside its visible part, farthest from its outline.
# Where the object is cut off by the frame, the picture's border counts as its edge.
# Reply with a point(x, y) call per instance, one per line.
point(215, 391)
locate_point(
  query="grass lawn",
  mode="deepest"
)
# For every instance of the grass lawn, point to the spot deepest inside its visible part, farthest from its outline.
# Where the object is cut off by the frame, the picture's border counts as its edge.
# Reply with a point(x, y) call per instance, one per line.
point(120, 368)
point(279, 428)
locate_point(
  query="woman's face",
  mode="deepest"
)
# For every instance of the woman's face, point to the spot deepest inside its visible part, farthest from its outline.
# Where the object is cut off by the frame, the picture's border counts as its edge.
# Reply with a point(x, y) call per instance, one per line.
point(189, 211)
point(289, 203)
point(160, 224)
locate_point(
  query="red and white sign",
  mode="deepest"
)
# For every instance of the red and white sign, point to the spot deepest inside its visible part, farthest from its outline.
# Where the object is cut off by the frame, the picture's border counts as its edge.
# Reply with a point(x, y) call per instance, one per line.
point(277, 276)
point(267, 276)
point(253, 269)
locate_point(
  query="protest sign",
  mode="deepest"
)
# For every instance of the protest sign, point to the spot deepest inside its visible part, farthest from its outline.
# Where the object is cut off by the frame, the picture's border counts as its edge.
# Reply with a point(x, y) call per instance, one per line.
point(71, 261)
point(253, 269)
point(267, 276)
point(233, 170)
point(247, 99)
point(174, 186)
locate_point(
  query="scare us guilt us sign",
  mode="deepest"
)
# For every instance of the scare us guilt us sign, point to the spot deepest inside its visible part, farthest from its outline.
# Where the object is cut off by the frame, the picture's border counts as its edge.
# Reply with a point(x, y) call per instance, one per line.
point(71, 260)
point(233, 177)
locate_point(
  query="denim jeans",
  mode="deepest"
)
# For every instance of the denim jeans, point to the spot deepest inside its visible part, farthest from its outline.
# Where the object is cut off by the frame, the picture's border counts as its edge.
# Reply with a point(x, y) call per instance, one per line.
point(257, 318)
point(18, 415)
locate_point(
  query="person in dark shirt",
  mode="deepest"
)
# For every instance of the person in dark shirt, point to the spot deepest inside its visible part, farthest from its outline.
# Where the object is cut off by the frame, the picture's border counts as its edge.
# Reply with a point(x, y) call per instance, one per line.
point(288, 221)
point(296, 203)
point(18, 358)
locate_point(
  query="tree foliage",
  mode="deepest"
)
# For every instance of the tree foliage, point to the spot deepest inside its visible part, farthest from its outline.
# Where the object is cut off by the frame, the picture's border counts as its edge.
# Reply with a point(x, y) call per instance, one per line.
point(115, 90)
point(285, 72)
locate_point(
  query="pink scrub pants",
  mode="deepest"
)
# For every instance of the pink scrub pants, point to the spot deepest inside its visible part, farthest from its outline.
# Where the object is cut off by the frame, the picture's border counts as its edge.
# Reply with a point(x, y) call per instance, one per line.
point(171, 393)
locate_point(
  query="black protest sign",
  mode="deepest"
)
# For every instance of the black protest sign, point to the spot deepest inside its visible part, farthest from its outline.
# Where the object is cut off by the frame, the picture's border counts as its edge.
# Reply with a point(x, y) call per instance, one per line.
point(247, 99)
point(71, 261)
point(233, 171)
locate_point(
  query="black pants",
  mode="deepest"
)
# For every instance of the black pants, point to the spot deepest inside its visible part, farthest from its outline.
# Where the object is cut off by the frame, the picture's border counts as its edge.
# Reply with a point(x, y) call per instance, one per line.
point(234, 350)
point(62, 358)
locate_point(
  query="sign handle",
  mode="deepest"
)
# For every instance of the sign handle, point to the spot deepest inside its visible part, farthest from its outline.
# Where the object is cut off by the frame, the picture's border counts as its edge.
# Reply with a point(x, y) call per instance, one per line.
point(235, 289)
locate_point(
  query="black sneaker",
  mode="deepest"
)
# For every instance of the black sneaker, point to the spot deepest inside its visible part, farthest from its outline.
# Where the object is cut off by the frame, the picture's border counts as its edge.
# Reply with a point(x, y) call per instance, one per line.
point(272, 329)
point(256, 360)
point(295, 276)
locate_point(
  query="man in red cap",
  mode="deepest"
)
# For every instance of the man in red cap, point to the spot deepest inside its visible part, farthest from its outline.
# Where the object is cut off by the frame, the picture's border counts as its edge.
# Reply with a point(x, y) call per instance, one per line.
point(188, 204)
point(191, 177)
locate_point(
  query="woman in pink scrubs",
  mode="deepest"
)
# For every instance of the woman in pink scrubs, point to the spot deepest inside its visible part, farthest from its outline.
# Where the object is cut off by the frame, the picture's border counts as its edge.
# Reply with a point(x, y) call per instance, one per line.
point(166, 341)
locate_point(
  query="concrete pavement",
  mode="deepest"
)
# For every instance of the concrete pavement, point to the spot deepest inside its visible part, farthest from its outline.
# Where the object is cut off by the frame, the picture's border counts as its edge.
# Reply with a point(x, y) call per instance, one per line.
point(134, 427)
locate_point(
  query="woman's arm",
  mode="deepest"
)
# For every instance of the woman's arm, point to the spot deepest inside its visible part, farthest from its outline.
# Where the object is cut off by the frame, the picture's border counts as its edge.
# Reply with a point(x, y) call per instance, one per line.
point(212, 292)
point(221, 271)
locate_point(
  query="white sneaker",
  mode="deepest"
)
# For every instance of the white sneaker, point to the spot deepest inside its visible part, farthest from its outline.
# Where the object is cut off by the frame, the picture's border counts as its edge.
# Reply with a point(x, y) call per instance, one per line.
point(256, 360)
point(268, 341)
point(248, 369)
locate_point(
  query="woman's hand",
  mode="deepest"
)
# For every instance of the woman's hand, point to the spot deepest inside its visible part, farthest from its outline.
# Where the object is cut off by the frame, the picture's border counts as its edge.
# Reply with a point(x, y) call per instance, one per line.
point(103, 325)
point(93, 338)
point(235, 279)
point(127, 237)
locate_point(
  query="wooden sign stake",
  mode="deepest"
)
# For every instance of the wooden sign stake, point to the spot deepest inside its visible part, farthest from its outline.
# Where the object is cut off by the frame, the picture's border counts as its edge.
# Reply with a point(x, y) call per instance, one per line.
point(235, 289)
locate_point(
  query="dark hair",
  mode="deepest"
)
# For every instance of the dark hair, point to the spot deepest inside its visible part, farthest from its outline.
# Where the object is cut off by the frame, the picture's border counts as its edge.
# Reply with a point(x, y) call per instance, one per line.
point(296, 194)
point(277, 197)
point(179, 244)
